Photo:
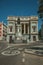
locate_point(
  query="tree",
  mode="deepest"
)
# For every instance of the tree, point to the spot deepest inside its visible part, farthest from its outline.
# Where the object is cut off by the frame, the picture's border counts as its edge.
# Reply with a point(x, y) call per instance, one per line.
point(39, 34)
point(40, 12)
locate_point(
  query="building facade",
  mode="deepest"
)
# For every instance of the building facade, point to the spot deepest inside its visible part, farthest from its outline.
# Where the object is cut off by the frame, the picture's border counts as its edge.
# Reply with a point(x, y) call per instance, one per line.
point(3, 31)
point(22, 28)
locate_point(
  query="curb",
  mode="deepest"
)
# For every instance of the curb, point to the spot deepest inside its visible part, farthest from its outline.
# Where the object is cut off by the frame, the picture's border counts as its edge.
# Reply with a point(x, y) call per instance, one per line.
point(33, 53)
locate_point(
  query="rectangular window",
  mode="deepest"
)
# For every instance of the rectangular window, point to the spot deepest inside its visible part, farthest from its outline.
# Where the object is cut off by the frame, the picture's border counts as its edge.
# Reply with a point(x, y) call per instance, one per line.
point(34, 28)
point(0, 28)
point(11, 28)
point(0, 25)
point(0, 34)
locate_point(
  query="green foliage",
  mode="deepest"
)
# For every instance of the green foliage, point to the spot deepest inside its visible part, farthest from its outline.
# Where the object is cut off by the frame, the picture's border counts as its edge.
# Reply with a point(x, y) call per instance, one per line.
point(40, 9)
point(39, 34)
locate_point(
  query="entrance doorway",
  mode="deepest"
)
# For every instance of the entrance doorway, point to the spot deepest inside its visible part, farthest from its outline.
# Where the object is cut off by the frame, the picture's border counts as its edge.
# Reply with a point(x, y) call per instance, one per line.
point(10, 39)
point(34, 38)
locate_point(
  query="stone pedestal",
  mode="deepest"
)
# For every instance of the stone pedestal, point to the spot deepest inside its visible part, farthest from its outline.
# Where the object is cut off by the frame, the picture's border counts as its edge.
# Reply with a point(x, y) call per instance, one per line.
point(18, 36)
point(18, 33)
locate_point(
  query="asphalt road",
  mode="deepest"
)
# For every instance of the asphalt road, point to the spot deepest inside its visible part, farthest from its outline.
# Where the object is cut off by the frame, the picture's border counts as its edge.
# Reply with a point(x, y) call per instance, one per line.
point(3, 45)
point(21, 59)
point(29, 59)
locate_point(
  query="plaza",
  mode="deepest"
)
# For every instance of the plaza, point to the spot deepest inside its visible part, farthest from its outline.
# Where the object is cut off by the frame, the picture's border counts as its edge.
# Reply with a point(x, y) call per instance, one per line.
point(21, 32)
point(22, 58)
point(15, 60)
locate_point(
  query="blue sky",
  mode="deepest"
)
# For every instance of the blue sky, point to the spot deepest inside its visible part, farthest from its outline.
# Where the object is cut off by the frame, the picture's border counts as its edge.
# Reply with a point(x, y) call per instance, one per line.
point(18, 8)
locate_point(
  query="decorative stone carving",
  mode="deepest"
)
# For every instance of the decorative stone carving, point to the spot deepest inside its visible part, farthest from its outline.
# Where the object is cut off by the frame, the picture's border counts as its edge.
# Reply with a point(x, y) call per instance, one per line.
point(18, 21)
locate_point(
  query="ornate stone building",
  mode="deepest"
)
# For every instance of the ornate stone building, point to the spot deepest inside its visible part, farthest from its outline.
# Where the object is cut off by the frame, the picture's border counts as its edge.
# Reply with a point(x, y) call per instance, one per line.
point(22, 28)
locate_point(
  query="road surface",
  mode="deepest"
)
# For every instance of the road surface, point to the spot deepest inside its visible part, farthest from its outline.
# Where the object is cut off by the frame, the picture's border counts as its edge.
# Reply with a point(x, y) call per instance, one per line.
point(21, 59)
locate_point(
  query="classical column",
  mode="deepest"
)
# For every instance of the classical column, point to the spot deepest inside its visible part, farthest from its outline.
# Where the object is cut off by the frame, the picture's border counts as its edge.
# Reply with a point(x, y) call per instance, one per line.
point(21, 28)
point(24, 28)
point(14, 28)
point(28, 28)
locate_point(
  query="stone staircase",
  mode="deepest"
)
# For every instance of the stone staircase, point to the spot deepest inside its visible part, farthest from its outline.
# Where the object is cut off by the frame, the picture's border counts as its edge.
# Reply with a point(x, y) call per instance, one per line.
point(18, 41)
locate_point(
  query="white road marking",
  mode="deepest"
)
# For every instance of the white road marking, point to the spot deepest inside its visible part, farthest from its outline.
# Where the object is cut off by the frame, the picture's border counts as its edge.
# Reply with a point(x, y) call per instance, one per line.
point(23, 59)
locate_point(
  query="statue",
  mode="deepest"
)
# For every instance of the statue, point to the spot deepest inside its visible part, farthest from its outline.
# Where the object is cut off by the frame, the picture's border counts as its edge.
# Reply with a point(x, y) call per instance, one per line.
point(18, 21)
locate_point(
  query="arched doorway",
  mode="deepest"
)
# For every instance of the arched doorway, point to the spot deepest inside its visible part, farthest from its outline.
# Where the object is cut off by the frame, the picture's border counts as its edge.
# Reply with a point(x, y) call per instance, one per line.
point(10, 39)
